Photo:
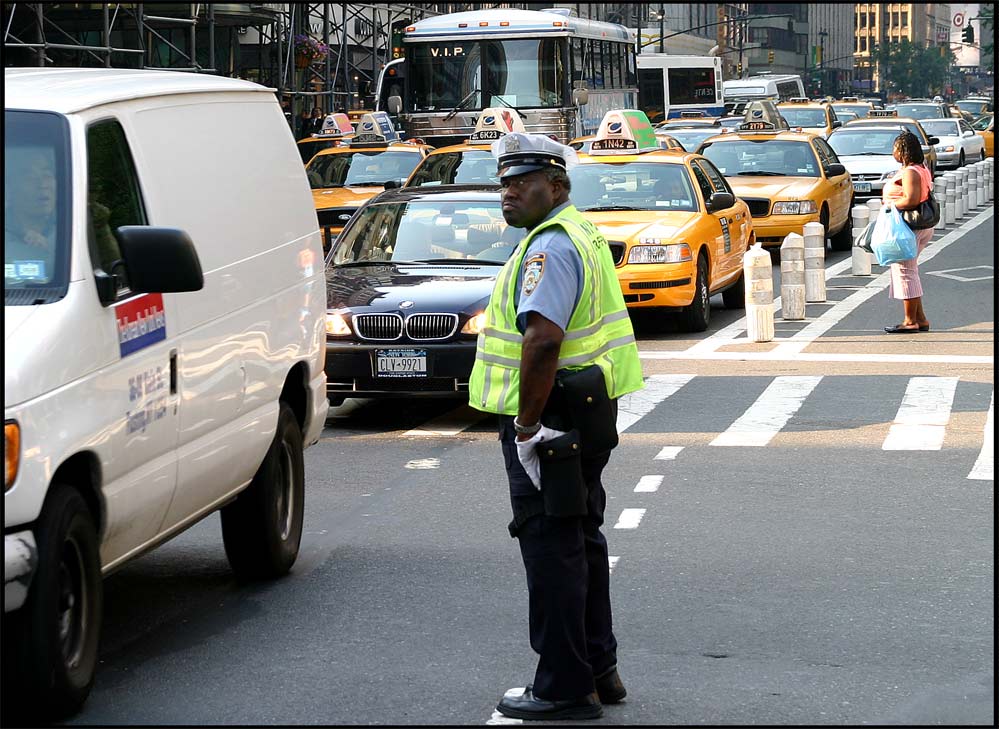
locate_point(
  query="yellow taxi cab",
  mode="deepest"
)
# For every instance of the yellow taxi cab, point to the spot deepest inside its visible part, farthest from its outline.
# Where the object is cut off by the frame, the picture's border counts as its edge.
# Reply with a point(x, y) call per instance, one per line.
point(854, 104)
point(788, 178)
point(985, 127)
point(471, 162)
point(344, 177)
point(336, 130)
point(676, 230)
point(815, 117)
point(582, 144)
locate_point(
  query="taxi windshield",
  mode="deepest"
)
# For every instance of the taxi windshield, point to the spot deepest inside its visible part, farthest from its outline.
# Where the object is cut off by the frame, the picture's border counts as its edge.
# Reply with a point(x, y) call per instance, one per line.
point(859, 109)
point(469, 166)
point(920, 111)
point(856, 142)
point(982, 123)
point(803, 117)
point(427, 231)
point(763, 157)
point(942, 127)
point(631, 186)
point(690, 138)
point(364, 167)
point(37, 206)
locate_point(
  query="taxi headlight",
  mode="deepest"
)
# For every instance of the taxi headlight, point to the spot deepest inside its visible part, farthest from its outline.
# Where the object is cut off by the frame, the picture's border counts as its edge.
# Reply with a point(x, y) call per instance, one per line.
point(475, 325)
point(336, 325)
point(673, 253)
point(11, 453)
point(798, 207)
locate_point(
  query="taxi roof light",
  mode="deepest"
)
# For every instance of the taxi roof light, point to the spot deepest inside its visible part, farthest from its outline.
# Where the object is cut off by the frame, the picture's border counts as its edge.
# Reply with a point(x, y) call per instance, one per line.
point(335, 125)
point(375, 128)
point(762, 116)
point(494, 122)
point(624, 131)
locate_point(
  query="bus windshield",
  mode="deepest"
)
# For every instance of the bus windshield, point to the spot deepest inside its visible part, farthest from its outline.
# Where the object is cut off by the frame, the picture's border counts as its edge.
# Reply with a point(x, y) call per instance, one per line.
point(523, 73)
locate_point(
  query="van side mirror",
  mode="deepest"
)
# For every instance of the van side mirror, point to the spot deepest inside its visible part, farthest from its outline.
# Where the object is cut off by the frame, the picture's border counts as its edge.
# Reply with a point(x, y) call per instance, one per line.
point(159, 260)
point(720, 201)
point(394, 104)
point(580, 96)
point(835, 170)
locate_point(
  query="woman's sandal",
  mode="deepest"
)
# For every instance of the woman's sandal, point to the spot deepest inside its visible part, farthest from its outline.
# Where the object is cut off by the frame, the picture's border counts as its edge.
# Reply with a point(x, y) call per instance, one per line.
point(900, 329)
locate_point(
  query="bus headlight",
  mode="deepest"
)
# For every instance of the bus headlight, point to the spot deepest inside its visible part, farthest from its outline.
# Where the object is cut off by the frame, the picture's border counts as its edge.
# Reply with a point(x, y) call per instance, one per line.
point(802, 207)
point(336, 325)
point(672, 253)
point(475, 325)
point(11, 453)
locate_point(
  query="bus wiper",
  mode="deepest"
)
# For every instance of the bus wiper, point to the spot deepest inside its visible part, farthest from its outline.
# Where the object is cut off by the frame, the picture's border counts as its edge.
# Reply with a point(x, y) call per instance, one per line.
point(604, 208)
point(450, 114)
point(504, 102)
point(761, 173)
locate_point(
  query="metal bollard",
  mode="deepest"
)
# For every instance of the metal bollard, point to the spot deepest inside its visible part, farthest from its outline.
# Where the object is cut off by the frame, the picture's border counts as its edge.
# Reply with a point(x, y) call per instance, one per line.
point(861, 259)
point(815, 262)
point(792, 277)
point(939, 192)
point(950, 203)
point(757, 272)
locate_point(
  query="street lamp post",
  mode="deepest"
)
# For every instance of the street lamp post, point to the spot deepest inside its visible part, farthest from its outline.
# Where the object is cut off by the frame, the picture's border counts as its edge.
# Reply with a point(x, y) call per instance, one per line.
point(662, 28)
point(822, 62)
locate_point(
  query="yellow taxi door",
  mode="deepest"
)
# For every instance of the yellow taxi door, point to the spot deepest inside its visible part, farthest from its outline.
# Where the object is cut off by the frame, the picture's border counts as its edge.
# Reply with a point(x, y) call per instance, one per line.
point(731, 226)
point(841, 197)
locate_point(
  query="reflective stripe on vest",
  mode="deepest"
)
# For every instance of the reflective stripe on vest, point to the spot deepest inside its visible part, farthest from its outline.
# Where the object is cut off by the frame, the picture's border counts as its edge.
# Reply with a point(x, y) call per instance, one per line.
point(599, 330)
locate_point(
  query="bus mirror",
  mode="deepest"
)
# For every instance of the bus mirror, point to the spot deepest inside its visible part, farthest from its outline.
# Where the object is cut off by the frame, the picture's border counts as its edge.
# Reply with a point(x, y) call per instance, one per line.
point(580, 96)
point(394, 104)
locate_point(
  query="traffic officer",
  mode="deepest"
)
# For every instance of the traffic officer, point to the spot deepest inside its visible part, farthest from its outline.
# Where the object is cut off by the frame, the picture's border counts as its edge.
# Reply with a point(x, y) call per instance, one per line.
point(556, 307)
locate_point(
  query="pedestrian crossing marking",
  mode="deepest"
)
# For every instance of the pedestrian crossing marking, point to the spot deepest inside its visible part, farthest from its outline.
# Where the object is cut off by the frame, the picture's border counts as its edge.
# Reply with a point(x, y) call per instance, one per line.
point(611, 561)
point(648, 484)
point(668, 453)
point(636, 405)
point(920, 424)
point(771, 411)
point(630, 519)
point(983, 468)
point(450, 423)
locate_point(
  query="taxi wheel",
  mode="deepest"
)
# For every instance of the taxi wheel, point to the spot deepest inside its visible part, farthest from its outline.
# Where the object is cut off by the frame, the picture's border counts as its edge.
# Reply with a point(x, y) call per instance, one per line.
point(262, 528)
point(59, 625)
point(843, 240)
point(697, 316)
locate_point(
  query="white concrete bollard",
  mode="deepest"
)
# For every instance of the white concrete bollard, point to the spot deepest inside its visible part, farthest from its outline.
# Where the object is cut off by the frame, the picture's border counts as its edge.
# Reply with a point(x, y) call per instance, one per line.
point(960, 195)
point(966, 187)
point(940, 193)
point(875, 207)
point(972, 187)
point(989, 170)
point(792, 277)
point(860, 259)
point(815, 262)
point(980, 182)
point(757, 272)
point(950, 201)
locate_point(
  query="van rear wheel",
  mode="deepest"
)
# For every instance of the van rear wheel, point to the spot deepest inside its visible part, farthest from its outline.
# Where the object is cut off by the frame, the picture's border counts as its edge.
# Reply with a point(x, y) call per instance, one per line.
point(59, 625)
point(262, 528)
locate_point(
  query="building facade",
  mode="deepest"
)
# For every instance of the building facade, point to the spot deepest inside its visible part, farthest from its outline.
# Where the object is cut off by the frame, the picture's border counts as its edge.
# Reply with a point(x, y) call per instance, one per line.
point(830, 50)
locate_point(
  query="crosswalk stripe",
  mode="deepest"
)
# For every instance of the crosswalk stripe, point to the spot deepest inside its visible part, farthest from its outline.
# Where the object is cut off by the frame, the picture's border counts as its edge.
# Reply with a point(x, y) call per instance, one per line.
point(668, 453)
point(450, 423)
point(983, 468)
point(648, 484)
point(611, 561)
point(922, 417)
point(636, 405)
point(771, 411)
point(630, 519)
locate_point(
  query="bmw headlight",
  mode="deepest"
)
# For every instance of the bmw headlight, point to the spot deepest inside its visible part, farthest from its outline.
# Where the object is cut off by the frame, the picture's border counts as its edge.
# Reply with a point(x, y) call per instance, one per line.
point(802, 207)
point(475, 325)
point(336, 325)
point(672, 253)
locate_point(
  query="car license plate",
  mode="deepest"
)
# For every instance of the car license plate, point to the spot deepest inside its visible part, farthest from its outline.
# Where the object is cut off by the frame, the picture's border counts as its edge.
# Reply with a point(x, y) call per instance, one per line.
point(861, 187)
point(401, 363)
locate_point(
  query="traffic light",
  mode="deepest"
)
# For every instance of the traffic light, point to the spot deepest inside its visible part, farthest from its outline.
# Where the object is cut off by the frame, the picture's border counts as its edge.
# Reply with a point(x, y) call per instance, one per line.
point(770, 57)
point(738, 68)
point(968, 35)
point(398, 30)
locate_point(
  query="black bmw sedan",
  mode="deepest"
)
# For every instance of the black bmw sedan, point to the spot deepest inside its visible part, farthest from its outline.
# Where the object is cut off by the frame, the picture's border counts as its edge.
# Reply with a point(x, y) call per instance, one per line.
point(407, 283)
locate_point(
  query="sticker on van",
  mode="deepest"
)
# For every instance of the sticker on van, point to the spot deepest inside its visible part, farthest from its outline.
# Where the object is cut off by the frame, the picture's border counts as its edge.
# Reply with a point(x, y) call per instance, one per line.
point(141, 323)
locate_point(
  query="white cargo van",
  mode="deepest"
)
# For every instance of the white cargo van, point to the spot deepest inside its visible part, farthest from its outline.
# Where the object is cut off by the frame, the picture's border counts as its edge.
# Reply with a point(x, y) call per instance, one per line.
point(164, 332)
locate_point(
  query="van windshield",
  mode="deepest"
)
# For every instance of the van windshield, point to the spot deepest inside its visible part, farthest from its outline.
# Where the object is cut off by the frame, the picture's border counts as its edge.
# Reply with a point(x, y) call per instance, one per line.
point(36, 202)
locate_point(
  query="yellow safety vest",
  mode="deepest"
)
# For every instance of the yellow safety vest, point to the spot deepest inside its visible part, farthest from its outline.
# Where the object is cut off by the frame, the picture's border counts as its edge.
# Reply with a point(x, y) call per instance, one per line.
point(599, 331)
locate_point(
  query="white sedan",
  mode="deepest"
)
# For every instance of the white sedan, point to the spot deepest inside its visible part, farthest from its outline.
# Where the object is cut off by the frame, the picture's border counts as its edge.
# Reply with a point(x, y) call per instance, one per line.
point(958, 143)
point(867, 155)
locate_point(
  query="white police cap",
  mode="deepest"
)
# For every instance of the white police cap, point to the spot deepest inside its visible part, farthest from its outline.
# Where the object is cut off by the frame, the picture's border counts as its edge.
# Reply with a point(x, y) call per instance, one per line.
point(518, 153)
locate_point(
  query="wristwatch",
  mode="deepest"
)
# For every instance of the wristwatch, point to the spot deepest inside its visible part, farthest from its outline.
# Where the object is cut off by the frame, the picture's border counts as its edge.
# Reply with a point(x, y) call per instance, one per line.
point(526, 429)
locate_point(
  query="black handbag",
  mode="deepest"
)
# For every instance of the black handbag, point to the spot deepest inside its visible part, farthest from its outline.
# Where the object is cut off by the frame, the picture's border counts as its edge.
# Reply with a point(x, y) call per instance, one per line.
point(923, 216)
point(562, 484)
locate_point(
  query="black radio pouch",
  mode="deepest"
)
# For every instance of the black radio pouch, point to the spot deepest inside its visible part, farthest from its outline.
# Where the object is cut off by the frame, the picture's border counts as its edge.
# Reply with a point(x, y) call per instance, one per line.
point(589, 408)
point(562, 484)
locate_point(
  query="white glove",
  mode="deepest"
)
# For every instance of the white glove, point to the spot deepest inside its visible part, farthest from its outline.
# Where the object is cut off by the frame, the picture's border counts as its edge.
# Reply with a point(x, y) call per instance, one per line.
point(527, 452)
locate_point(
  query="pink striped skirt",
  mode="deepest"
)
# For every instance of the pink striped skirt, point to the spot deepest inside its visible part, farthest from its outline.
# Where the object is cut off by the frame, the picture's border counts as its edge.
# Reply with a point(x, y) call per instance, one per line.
point(905, 276)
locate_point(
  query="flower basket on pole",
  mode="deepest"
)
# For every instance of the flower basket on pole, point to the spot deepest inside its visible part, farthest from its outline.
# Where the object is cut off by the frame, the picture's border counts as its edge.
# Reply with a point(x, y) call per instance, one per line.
point(308, 50)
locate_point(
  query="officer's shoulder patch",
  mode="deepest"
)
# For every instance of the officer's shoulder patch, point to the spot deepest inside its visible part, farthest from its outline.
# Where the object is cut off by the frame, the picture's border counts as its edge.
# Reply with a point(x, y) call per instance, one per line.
point(534, 269)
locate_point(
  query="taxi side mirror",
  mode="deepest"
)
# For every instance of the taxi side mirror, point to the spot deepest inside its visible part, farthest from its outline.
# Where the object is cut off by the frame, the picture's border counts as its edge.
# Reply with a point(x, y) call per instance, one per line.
point(720, 201)
point(934, 140)
point(837, 124)
point(835, 170)
point(394, 104)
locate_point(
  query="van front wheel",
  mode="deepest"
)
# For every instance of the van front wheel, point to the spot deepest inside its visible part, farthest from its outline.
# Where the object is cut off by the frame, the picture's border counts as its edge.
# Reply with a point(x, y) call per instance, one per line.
point(59, 624)
point(262, 528)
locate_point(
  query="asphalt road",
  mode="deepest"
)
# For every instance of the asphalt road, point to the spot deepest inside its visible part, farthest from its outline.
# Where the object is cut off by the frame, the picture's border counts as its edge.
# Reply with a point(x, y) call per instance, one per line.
point(815, 544)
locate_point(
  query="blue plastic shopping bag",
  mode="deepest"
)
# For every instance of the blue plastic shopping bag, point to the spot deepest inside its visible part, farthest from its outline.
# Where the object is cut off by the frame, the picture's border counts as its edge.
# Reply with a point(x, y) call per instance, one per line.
point(892, 241)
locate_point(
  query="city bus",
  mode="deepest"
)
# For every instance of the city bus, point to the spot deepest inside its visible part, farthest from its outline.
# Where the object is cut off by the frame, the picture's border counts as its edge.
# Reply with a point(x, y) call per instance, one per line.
point(562, 73)
point(670, 85)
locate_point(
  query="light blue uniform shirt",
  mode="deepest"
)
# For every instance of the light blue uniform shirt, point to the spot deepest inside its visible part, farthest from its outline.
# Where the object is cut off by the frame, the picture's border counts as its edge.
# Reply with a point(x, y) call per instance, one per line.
point(554, 270)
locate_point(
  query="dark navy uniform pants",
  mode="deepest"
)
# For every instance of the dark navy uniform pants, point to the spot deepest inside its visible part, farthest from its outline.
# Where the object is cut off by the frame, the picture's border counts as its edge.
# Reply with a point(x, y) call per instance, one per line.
point(568, 580)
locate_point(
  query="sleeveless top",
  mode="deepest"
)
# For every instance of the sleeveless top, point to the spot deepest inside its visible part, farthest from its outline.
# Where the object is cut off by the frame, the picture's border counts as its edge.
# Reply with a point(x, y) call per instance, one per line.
point(893, 188)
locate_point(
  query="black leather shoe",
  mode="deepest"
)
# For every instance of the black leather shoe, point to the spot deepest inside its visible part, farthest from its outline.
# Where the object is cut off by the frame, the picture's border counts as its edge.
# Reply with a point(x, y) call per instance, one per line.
point(530, 707)
point(610, 688)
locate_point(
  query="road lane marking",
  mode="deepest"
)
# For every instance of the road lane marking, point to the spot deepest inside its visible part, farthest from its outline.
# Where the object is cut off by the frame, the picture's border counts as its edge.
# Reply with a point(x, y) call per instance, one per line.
point(424, 464)
point(450, 423)
point(497, 718)
point(921, 421)
point(983, 468)
point(668, 453)
point(648, 484)
point(772, 356)
point(630, 519)
point(636, 405)
point(611, 561)
point(771, 411)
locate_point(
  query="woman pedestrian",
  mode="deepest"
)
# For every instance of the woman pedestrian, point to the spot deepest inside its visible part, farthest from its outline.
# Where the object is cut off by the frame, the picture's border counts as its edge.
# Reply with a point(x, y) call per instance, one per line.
point(907, 189)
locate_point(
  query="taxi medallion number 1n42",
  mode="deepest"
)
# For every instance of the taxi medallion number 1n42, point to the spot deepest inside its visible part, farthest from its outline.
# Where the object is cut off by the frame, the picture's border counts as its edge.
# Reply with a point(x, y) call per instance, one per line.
point(401, 363)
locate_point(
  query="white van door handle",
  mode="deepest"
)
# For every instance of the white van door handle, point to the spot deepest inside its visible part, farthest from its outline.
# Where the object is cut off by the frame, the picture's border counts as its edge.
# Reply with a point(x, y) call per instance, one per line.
point(173, 371)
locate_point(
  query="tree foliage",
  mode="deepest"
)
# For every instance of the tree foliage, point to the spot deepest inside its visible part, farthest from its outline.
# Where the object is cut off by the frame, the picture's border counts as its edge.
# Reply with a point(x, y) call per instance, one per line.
point(987, 15)
point(911, 70)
